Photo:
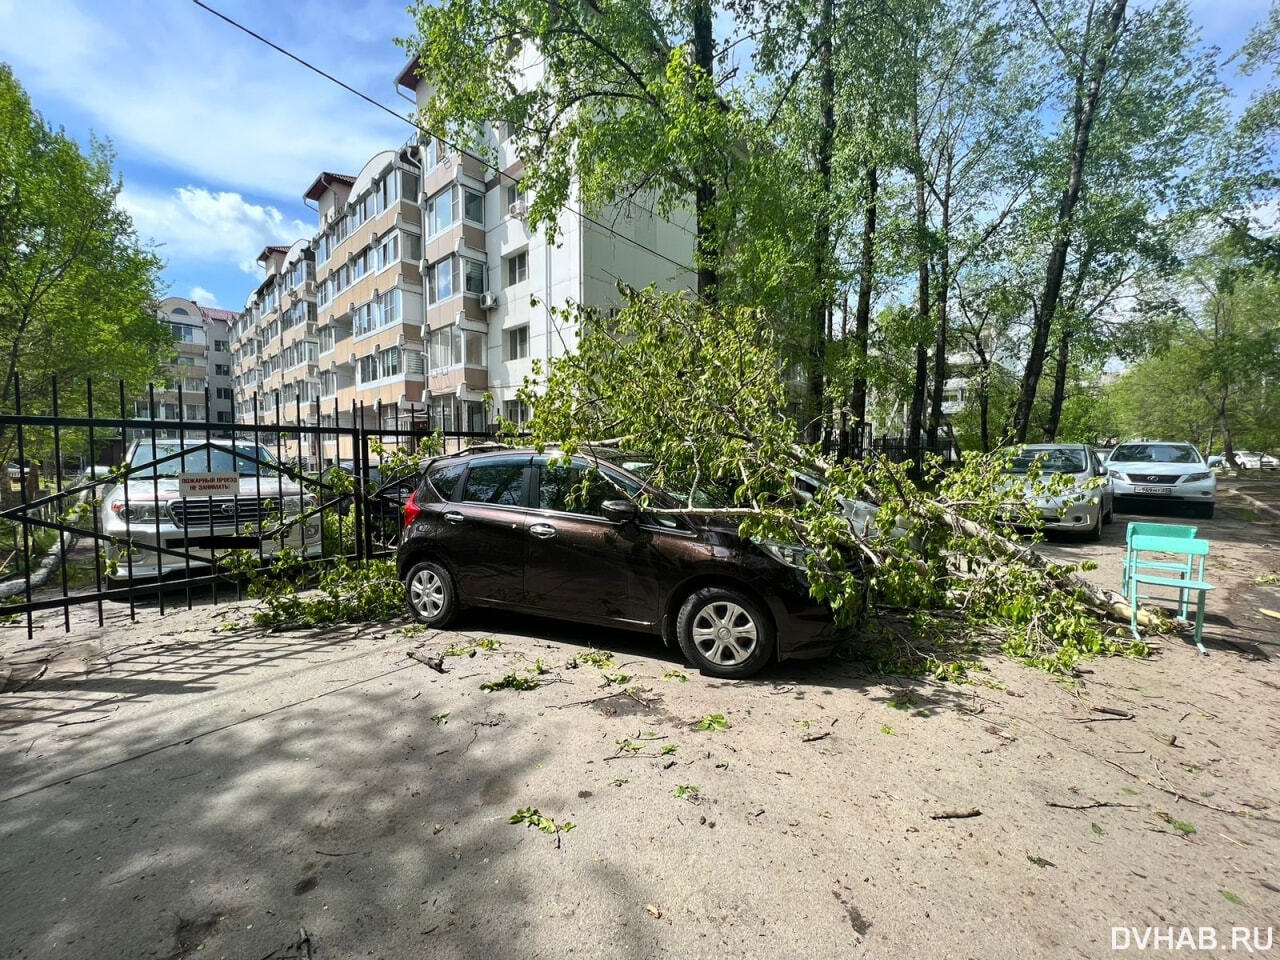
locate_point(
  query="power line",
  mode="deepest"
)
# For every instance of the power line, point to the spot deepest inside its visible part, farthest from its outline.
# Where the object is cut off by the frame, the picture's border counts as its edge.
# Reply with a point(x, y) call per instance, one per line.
point(423, 130)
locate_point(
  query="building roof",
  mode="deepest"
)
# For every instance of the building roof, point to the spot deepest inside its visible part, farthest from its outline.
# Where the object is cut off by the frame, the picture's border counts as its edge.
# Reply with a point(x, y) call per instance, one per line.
point(324, 182)
point(213, 313)
point(408, 77)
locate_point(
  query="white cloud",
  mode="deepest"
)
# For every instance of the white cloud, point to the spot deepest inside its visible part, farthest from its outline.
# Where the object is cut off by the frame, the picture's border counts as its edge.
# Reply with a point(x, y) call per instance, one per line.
point(170, 83)
point(203, 297)
point(196, 225)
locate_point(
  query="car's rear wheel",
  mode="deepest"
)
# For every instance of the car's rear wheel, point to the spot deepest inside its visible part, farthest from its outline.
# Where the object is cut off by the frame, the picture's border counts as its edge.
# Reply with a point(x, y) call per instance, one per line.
point(431, 594)
point(724, 633)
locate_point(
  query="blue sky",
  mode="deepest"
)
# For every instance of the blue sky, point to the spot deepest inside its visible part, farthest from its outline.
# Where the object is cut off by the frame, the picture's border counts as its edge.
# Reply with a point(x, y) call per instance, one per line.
point(217, 136)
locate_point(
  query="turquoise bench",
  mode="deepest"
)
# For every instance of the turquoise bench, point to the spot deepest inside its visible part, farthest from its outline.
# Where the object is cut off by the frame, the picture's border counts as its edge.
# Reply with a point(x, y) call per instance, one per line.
point(1192, 553)
point(1134, 561)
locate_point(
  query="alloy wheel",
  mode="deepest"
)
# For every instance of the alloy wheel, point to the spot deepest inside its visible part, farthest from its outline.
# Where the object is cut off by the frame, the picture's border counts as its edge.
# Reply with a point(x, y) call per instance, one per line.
point(725, 633)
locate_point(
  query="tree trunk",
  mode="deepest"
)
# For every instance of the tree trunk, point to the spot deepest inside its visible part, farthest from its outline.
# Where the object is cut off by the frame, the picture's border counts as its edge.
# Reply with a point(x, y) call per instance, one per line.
point(940, 341)
point(821, 308)
point(862, 321)
point(1084, 112)
point(1059, 388)
point(915, 428)
point(708, 246)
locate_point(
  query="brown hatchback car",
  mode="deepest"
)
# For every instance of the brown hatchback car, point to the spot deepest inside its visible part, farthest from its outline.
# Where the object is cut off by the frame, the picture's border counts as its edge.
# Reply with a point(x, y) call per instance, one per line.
point(518, 530)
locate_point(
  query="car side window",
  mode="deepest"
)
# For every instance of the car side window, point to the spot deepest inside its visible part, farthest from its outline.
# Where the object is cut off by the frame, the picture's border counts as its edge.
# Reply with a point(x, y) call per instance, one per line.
point(579, 489)
point(444, 477)
point(499, 482)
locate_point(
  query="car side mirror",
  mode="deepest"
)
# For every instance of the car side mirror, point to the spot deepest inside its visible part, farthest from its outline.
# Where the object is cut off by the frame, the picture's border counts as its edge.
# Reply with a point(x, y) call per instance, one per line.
point(619, 511)
point(1103, 471)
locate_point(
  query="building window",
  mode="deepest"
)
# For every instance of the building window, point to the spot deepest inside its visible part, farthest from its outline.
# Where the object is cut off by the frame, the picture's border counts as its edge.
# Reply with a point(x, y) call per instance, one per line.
point(440, 212)
point(221, 346)
point(389, 362)
point(412, 247)
point(473, 206)
point(441, 278)
point(518, 343)
point(452, 347)
point(389, 250)
point(473, 276)
point(368, 367)
point(222, 369)
point(224, 416)
point(515, 194)
point(389, 307)
point(517, 268)
point(183, 333)
point(517, 411)
point(224, 393)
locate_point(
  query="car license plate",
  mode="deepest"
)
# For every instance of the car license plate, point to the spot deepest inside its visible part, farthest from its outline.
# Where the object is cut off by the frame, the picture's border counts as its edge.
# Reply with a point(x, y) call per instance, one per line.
point(1150, 489)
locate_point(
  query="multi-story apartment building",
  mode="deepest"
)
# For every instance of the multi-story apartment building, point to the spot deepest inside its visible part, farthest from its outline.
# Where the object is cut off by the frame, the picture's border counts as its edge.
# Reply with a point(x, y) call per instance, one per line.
point(202, 362)
point(424, 292)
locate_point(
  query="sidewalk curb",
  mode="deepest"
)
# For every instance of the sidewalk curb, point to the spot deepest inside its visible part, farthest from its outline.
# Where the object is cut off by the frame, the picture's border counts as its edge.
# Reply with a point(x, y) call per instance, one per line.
point(1253, 502)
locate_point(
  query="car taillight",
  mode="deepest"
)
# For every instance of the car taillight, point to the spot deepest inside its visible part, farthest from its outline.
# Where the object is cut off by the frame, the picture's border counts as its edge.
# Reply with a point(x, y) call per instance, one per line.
point(411, 509)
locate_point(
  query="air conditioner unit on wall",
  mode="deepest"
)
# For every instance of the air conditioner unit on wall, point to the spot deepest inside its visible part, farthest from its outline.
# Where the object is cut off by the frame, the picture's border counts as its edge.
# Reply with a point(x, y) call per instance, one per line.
point(488, 300)
point(517, 209)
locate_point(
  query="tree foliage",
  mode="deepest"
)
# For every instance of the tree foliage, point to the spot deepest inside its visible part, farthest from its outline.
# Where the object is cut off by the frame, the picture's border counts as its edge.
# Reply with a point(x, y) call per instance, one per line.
point(76, 287)
point(696, 391)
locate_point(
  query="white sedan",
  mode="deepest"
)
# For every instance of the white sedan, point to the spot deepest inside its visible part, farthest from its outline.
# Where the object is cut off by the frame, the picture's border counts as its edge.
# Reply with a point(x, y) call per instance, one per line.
point(1164, 472)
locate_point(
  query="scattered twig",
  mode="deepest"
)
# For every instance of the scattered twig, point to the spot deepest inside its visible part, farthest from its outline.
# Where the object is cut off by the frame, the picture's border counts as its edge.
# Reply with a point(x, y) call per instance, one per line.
point(350, 853)
point(74, 723)
point(1090, 806)
point(435, 663)
point(956, 814)
point(810, 738)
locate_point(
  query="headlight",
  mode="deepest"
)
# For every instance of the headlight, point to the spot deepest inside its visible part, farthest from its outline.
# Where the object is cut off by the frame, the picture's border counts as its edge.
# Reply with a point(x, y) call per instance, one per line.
point(296, 505)
point(145, 511)
point(1118, 475)
point(1195, 477)
point(791, 554)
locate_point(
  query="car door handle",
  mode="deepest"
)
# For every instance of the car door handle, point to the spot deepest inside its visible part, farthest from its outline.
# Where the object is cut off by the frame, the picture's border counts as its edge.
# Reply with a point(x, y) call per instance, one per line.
point(543, 531)
point(452, 517)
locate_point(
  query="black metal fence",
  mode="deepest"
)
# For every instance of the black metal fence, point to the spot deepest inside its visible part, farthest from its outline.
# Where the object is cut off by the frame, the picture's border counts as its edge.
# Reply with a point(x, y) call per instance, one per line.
point(112, 501)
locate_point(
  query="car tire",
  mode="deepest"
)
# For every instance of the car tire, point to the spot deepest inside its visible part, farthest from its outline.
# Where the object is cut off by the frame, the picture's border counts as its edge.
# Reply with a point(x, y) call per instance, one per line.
point(1205, 510)
point(1110, 515)
point(1095, 532)
point(431, 594)
point(713, 624)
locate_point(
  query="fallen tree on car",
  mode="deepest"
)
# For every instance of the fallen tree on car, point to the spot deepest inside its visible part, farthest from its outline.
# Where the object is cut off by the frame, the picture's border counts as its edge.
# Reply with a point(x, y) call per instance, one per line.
point(700, 393)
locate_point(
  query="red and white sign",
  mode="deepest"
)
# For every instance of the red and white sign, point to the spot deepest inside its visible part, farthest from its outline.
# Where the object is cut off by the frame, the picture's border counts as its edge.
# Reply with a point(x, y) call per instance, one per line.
point(208, 484)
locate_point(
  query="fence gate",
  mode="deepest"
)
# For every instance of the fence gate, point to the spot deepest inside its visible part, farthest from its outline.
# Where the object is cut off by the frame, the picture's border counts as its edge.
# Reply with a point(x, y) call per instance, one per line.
point(113, 504)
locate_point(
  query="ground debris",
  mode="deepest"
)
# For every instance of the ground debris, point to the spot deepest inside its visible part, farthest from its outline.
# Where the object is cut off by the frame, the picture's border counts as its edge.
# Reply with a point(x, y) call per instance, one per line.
point(956, 814)
point(435, 663)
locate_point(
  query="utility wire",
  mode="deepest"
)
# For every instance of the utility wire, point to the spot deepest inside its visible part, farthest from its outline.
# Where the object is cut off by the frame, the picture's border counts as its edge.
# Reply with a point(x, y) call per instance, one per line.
point(423, 130)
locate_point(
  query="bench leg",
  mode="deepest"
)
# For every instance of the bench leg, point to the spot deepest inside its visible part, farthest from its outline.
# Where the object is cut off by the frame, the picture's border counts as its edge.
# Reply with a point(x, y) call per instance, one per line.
point(1200, 624)
point(1131, 592)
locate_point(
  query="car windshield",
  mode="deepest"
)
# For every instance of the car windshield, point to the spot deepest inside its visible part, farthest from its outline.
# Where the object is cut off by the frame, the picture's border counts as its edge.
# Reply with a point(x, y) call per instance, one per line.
point(1052, 460)
point(204, 459)
point(1155, 453)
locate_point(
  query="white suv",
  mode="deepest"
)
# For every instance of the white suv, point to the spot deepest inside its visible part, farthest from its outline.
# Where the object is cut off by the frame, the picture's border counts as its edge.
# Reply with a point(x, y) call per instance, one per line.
point(1160, 471)
point(156, 530)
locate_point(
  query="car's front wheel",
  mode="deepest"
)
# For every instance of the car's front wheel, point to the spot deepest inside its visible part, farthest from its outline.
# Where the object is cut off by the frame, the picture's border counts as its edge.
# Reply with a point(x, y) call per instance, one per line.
point(724, 633)
point(1205, 510)
point(431, 594)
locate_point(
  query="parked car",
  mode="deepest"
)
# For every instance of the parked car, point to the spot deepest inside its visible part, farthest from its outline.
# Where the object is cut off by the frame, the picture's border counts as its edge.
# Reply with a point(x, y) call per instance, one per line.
point(384, 496)
point(1168, 472)
point(168, 532)
point(507, 529)
point(1079, 508)
point(1256, 461)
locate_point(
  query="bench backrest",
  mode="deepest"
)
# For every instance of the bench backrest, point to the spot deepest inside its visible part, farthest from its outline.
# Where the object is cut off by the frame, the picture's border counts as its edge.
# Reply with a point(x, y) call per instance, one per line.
point(1175, 530)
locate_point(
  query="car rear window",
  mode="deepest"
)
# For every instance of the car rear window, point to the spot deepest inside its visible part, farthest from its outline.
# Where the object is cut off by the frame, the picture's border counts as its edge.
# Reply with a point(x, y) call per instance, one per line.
point(444, 477)
point(500, 482)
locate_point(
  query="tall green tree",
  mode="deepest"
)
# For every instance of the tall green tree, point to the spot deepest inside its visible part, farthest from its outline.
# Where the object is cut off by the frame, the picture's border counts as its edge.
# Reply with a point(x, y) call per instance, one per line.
point(609, 101)
point(76, 286)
